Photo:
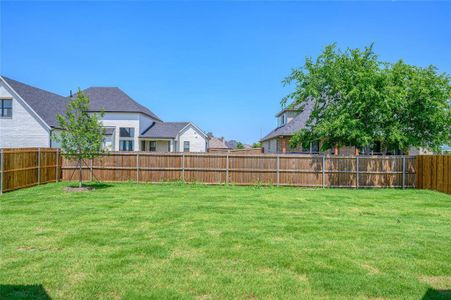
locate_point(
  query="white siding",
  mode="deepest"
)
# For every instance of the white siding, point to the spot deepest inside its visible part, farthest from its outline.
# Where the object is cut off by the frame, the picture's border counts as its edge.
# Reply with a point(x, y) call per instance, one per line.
point(144, 122)
point(162, 146)
point(23, 129)
point(124, 120)
point(198, 143)
point(419, 151)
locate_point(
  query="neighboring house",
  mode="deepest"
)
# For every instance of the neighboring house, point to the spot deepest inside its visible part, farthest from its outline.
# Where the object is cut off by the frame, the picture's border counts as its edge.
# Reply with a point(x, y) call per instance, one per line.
point(28, 119)
point(215, 144)
point(289, 121)
point(294, 118)
point(173, 137)
point(232, 144)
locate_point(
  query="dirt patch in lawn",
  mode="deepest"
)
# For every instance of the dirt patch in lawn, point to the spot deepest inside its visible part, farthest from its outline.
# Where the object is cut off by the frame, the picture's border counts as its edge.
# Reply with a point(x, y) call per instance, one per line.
point(70, 189)
point(437, 282)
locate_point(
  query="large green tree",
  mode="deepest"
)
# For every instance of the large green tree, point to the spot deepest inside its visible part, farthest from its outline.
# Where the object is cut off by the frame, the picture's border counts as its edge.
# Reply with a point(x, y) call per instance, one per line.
point(357, 99)
point(82, 134)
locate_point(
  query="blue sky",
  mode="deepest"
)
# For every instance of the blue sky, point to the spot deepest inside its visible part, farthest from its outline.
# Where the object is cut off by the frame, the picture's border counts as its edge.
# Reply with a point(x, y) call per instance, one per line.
point(218, 64)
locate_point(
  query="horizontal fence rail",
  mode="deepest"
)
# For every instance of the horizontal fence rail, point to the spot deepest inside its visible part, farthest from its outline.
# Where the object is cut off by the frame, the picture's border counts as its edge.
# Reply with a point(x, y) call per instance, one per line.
point(434, 172)
point(25, 167)
point(248, 169)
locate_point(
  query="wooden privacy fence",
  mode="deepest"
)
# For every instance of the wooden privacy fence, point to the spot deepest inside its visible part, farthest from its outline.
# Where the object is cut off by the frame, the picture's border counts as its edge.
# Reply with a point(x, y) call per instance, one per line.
point(434, 172)
point(267, 169)
point(237, 151)
point(24, 167)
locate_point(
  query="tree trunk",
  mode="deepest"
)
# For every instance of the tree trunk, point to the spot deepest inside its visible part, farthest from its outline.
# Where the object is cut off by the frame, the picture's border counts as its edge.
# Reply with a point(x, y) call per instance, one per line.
point(81, 175)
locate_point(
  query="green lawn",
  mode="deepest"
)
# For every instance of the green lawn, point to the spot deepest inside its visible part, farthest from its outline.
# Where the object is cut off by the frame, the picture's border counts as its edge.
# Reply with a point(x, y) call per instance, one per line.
point(137, 241)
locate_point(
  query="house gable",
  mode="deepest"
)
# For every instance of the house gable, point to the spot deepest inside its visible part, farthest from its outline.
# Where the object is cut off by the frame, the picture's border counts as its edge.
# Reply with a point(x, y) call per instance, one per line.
point(197, 138)
point(25, 128)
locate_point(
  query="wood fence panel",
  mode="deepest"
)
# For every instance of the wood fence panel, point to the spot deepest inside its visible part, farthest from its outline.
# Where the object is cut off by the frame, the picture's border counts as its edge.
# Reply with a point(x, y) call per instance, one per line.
point(433, 173)
point(240, 169)
point(25, 167)
point(71, 170)
point(255, 169)
point(205, 168)
point(21, 169)
point(159, 168)
point(300, 171)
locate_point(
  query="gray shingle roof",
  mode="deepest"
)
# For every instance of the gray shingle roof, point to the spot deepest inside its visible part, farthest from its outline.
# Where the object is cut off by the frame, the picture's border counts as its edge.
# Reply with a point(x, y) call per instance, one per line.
point(291, 107)
point(46, 104)
point(163, 130)
point(296, 124)
point(113, 99)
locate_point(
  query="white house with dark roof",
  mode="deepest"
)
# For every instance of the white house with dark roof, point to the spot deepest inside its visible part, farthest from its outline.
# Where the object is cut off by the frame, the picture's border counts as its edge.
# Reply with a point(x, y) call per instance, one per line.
point(28, 119)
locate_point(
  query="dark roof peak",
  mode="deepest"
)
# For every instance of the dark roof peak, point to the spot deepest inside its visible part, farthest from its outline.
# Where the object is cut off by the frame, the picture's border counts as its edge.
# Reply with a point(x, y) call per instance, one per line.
point(113, 99)
point(46, 104)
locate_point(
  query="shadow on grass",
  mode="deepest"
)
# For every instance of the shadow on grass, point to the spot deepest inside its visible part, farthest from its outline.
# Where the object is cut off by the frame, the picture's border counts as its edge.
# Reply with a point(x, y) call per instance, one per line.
point(32, 291)
point(433, 294)
point(94, 185)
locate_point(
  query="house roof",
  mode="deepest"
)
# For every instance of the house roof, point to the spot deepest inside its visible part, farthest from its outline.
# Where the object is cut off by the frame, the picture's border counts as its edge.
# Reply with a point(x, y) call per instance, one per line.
point(217, 143)
point(296, 124)
point(164, 130)
point(46, 104)
point(113, 99)
point(291, 107)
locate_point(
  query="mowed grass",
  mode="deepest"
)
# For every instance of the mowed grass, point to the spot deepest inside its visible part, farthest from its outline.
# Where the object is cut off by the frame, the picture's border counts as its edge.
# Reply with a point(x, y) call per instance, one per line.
point(135, 241)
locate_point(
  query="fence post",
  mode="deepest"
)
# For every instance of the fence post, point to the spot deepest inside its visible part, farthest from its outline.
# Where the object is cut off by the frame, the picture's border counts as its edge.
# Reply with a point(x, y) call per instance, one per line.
point(137, 167)
point(1, 171)
point(56, 171)
point(278, 170)
point(323, 168)
point(90, 169)
point(183, 166)
point(357, 172)
point(403, 172)
point(227, 168)
point(39, 165)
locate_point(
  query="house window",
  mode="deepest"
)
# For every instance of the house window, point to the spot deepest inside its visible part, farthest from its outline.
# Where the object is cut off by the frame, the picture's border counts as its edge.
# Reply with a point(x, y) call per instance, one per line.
point(314, 147)
point(6, 108)
point(127, 132)
point(107, 141)
point(169, 146)
point(126, 139)
point(143, 145)
point(186, 146)
point(152, 146)
point(125, 145)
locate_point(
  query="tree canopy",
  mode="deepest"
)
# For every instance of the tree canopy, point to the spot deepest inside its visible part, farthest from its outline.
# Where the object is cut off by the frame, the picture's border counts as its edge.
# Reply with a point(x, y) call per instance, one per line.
point(239, 145)
point(356, 99)
point(82, 134)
